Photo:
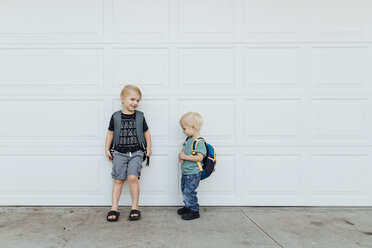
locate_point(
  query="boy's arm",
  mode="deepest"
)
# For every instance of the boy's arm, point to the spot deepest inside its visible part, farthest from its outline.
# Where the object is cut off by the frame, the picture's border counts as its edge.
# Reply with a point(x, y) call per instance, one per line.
point(179, 159)
point(200, 151)
point(147, 135)
point(109, 138)
point(194, 158)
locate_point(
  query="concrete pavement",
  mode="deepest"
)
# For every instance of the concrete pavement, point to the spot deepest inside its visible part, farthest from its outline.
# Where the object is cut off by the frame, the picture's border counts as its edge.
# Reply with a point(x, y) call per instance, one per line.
point(258, 227)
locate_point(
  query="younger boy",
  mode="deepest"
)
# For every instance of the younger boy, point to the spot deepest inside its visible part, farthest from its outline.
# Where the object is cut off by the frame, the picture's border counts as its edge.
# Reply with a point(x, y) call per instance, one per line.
point(191, 123)
point(128, 137)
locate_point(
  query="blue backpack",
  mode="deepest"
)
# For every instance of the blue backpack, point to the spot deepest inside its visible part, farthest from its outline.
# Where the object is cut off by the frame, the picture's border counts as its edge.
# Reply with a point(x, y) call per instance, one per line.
point(209, 161)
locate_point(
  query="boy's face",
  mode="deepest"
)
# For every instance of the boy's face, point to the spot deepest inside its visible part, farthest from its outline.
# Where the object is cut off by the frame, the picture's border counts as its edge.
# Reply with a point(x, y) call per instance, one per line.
point(130, 103)
point(187, 129)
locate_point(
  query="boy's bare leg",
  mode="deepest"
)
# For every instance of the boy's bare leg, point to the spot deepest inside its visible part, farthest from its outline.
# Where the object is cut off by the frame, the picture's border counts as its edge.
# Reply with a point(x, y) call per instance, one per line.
point(116, 193)
point(134, 191)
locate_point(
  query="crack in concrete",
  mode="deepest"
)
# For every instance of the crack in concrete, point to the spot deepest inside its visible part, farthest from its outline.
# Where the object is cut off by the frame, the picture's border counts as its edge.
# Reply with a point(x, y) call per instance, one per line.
point(267, 234)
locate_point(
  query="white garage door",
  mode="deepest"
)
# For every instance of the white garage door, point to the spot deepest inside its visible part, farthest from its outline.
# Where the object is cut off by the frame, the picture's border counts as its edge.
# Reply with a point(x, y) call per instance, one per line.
point(284, 87)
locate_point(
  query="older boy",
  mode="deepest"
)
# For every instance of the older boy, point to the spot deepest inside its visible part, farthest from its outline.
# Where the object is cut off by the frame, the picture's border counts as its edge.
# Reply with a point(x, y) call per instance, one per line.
point(128, 137)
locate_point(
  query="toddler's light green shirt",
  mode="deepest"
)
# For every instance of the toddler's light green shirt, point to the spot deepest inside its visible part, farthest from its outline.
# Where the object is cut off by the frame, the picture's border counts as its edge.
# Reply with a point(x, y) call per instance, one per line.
point(189, 167)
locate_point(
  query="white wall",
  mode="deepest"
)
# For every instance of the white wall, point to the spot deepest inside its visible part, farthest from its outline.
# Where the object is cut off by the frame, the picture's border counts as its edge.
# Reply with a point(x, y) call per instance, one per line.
point(284, 87)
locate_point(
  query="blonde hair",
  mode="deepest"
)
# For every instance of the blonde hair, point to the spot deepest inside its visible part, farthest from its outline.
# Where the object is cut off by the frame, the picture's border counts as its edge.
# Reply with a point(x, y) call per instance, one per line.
point(192, 119)
point(125, 91)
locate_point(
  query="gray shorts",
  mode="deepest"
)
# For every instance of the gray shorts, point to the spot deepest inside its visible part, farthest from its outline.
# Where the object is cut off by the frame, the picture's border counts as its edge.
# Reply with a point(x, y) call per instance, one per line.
point(124, 164)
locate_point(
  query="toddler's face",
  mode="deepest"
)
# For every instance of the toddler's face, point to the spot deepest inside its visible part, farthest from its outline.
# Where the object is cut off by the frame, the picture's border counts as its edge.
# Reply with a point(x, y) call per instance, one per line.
point(187, 129)
point(131, 101)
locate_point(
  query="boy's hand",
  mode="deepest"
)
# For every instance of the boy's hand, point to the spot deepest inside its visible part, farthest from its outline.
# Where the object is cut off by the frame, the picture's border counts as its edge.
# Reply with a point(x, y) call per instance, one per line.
point(148, 152)
point(182, 156)
point(108, 156)
point(179, 156)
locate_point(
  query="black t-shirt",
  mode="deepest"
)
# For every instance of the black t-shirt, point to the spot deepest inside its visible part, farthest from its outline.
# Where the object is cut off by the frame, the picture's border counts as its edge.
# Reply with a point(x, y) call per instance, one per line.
point(128, 141)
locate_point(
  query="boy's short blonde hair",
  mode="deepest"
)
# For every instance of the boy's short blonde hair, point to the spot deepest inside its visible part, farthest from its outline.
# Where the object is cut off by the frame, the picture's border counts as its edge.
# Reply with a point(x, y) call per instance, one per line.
point(192, 119)
point(125, 91)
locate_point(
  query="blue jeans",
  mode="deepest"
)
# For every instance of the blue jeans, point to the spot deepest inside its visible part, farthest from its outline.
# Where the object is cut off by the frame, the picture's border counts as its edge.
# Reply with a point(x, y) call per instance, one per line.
point(189, 184)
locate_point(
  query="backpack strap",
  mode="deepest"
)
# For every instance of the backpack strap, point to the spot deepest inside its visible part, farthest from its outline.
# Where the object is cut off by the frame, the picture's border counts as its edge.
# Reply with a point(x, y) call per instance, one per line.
point(195, 144)
point(193, 150)
point(117, 125)
point(139, 129)
point(140, 134)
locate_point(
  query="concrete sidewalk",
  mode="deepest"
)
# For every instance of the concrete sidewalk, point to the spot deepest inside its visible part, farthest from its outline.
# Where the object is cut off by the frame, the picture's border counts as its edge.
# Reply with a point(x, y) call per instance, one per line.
point(228, 227)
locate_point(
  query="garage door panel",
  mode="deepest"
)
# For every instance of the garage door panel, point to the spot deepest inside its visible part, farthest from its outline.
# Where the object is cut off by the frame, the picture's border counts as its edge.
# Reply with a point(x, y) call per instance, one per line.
point(50, 174)
point(207, 67)
point(284, 64)
point(51, 119)
point(339, 119)
point(273, 174)
point(51, 19)
point(273, 119)
point(207, 19)
point(272, 17)
point(338, 17)
point(51, 67)
point(338, 175)
point(141, 19)
point(336, 67)
point(147, 67)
